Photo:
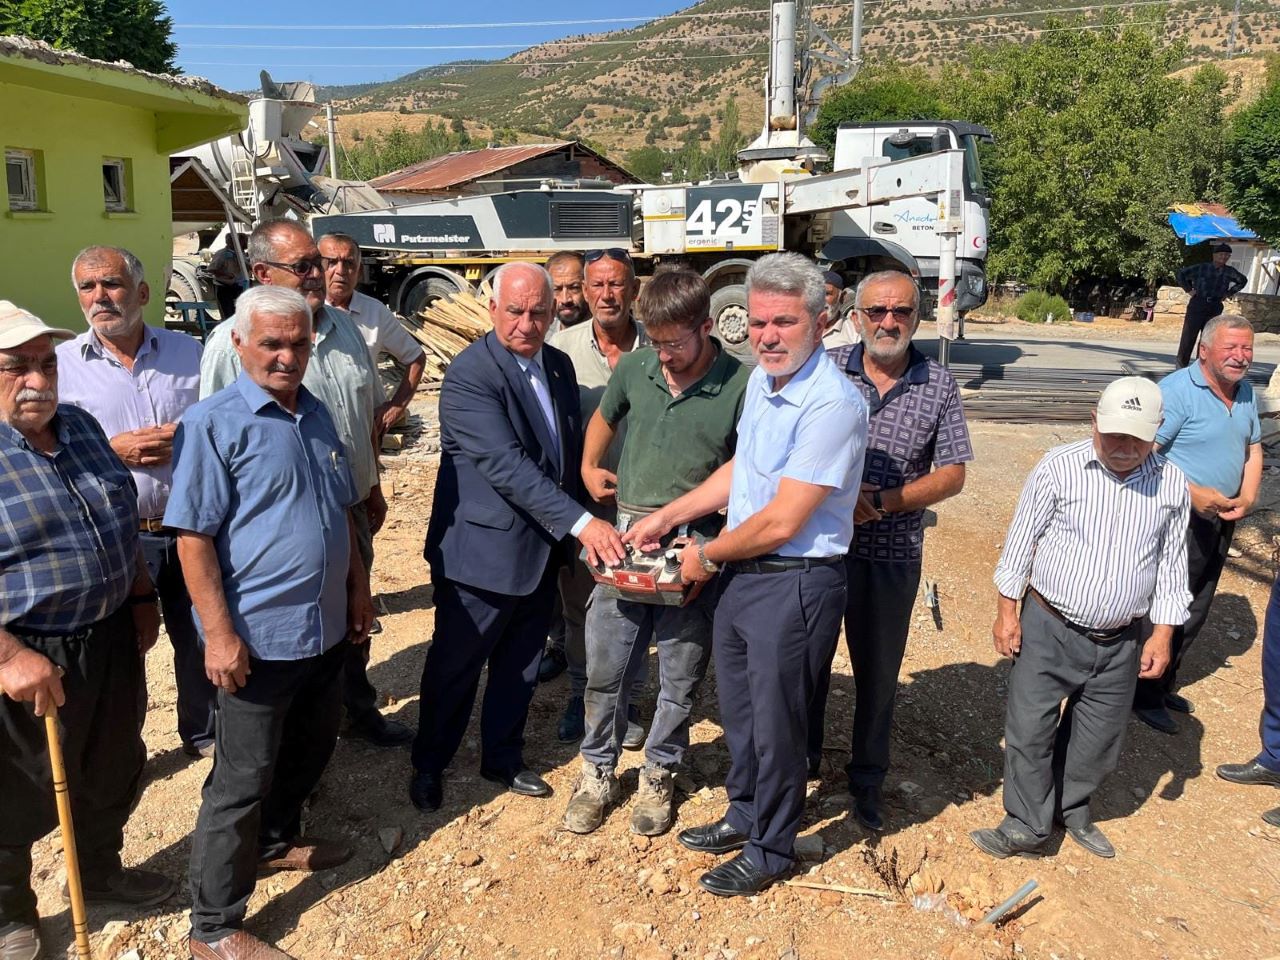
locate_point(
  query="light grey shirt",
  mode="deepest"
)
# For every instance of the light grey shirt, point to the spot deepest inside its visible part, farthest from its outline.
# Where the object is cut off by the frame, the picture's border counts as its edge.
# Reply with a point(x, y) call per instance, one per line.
point(592, 369)
point(340, 374)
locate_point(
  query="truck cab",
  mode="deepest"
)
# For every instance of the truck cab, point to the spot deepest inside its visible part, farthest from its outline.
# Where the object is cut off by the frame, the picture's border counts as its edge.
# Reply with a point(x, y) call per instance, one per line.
point(900, 234)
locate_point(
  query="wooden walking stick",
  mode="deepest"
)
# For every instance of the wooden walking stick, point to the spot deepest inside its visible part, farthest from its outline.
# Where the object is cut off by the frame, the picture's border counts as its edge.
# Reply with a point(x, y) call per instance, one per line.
point(78, 919)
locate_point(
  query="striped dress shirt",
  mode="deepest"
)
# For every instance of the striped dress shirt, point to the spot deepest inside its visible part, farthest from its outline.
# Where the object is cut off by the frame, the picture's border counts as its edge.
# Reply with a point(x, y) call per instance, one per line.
point(1102, 549)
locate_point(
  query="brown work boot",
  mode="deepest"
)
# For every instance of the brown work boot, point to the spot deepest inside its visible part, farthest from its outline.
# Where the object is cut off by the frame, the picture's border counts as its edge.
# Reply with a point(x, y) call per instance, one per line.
point(136, 888)
point(308, 854)
point(596, 789)
point(20, 941)
point(651, 813)
point(238, 946)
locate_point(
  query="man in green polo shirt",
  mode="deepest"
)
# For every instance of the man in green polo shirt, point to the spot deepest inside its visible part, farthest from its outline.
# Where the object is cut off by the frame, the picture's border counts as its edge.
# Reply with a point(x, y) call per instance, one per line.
point(681, 398)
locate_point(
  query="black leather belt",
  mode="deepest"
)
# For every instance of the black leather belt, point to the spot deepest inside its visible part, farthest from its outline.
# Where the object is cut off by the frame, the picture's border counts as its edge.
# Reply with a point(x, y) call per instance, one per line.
point(1097, 636)
point(770, 563)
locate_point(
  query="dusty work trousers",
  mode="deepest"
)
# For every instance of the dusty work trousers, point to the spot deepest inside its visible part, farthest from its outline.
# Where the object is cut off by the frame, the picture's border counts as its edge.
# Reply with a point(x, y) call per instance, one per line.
point(618, 633)
point(359, 697)
point(476, 627)
point(274, 738)
point(773, 634)
point(101, 745)
point(1199, 312)
point(1056, 757)
point(196, 695)
point(877, 620)
point(1207, 544)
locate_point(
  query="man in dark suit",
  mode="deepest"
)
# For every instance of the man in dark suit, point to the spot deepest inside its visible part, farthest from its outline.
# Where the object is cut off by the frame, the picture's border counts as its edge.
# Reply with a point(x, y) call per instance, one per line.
point(507, 504)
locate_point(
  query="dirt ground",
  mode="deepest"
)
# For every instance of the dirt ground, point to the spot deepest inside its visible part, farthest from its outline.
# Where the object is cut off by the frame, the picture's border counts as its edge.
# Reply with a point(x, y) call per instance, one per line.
point(490, 875)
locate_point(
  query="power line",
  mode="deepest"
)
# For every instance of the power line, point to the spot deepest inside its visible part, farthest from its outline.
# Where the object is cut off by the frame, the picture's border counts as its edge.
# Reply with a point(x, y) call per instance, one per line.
point(466, 46)
point(539, 64)
point(520, 24)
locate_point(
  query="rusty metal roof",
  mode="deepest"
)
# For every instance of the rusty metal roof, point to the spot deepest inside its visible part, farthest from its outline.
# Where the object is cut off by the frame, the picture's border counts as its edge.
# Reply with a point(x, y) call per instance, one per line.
point(440, 173)
point(453, 169)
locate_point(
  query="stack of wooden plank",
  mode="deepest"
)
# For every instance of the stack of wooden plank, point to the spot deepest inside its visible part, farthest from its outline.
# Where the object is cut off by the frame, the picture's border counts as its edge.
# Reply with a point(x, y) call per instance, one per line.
point(448, 326)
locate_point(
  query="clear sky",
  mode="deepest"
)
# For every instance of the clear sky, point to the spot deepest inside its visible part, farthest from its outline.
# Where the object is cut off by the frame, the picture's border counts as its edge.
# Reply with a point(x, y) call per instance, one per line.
point(229, 41)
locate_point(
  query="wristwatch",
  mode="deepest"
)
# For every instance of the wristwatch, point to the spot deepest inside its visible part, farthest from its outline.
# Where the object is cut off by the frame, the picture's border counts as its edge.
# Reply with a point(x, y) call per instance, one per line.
point(706, 564)
point(876, 501)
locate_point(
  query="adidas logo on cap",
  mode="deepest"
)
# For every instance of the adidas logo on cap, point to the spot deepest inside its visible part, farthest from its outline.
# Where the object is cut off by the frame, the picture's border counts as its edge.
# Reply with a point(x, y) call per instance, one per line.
point(1133, 403)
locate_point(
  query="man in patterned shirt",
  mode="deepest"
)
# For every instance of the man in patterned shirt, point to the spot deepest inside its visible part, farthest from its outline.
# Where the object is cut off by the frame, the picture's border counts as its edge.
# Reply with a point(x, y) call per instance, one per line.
point(77, 613)
point(917, 446)
point(1209, 284)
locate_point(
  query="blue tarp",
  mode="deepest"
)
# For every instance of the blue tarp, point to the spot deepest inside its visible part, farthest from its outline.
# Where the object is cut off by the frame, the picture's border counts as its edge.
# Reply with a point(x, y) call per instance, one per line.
point(1208, 226)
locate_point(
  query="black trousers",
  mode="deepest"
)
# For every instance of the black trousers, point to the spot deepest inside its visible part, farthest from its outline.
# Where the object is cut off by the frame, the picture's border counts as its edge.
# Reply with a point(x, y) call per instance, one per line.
point(102, 746)
point(877, 620)
point(1199, 312)
point(274, 738)
point(773, 635)
point(359, 697)
point(196, 695)
point(1207, 545)
point(475, 627)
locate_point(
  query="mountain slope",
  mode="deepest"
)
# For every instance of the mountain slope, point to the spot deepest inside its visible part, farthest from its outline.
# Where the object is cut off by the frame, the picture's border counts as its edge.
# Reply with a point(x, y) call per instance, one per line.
point(667, 81)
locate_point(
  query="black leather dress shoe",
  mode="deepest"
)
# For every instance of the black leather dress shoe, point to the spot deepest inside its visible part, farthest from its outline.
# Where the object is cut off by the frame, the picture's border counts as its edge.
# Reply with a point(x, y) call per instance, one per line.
point(553, 664)
point(1157, 718)
point(1093, 840)
point(1178, 703)
point(716, 837)
point(426, 790)
point(379, 731)
point(524, 782)
point(735, 878)
point(1252, 774)
point(866, 807)
point(997, 843)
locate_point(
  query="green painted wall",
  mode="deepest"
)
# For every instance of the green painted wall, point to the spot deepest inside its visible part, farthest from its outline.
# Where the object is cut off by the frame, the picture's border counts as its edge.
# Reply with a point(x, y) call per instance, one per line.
point(74, 134)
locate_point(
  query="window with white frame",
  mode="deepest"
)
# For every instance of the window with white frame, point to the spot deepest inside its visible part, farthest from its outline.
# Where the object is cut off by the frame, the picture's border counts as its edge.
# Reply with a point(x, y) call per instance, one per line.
point(21, 179)
point(115, 184)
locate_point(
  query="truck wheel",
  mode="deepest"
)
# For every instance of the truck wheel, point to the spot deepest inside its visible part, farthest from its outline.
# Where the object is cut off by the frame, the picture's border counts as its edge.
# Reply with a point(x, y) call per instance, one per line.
point(424, 293)
point(729, 313)
point(180, 288)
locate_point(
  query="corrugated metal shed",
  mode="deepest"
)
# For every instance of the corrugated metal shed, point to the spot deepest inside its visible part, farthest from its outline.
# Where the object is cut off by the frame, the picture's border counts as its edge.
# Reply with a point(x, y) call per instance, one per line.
point(455, 169)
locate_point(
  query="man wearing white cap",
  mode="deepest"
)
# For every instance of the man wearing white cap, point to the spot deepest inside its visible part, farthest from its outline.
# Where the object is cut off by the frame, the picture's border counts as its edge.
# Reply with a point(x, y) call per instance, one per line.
point(1097, 544)
point(77, 613)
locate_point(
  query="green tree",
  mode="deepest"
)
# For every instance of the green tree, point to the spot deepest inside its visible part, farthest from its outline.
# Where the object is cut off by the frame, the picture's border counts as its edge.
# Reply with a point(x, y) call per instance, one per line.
point(878, 92)
point(730, 140)
point(134, 30)
point(1094, 141)
point(1252, 169)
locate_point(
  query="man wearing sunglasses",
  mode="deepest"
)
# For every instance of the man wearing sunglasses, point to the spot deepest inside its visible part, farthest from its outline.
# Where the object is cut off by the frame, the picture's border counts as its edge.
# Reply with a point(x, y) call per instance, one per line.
point(341, 375)
point(917, 446)
point(594, 350)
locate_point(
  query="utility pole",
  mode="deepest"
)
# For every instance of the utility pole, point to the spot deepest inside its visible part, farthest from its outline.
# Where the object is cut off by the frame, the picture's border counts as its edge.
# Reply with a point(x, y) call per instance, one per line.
point(1231, 40)
point(332, 125)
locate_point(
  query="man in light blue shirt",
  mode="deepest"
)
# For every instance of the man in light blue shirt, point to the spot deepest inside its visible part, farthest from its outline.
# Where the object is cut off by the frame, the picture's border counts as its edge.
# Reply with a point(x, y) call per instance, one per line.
point(1211, 432)
point(341, 375)
point(262, 499)
point(790, 489)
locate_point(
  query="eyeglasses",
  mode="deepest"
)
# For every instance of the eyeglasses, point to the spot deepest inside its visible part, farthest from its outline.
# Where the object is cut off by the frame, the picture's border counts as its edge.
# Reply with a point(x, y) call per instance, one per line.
point(878, 313)
point(301, 268)
point(613, 253)
point(331, 262)
point(673, 346)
